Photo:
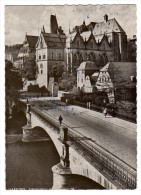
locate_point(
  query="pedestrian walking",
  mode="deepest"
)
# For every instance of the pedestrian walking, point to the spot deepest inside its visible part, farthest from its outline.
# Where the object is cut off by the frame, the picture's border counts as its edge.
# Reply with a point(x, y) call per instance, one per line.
point(60, 119)
point(105, 112)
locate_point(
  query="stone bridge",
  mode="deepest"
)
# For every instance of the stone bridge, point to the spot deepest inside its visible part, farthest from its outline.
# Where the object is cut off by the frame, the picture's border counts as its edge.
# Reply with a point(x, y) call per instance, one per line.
point(78, 155)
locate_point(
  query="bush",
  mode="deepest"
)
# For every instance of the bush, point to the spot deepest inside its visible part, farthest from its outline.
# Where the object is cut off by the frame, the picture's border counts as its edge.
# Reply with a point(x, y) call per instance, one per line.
point(87, 98)
point(33, 88)
point(43, 89)
point(37, 89)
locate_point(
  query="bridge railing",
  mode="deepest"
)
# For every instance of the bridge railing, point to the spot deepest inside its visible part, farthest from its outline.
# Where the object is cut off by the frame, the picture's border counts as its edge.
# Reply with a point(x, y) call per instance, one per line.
point(46, 117)
point(105, 161)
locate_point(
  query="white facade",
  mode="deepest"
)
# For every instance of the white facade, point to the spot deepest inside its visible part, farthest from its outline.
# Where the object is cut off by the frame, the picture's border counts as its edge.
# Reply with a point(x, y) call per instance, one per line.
point(104, 80)
point(87, 86)
point(80, 79)
point(41, 60)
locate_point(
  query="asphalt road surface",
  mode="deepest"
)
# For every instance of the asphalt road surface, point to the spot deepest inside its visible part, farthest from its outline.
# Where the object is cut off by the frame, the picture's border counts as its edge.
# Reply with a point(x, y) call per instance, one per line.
point(118, 140)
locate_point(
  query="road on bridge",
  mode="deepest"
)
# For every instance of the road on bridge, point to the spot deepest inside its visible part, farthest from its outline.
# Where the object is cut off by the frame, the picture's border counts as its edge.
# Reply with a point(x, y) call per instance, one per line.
point(119, 140)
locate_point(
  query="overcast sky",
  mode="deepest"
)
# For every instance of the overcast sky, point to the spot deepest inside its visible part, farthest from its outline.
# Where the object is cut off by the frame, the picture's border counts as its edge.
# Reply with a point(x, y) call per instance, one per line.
point(30, 19)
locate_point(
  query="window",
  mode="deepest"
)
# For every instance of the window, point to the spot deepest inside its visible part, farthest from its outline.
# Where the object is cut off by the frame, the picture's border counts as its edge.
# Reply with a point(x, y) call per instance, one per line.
point(41, 66)
point(41, 71)
point(78, 80)
point(52, 55)
point(82, 80)
point(39, 56)
point(59, 56)
point(44, 56)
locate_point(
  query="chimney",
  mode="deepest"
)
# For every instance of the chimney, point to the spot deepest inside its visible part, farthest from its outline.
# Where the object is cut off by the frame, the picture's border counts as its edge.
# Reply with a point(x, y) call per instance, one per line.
point(105, 18)
point(53, 24)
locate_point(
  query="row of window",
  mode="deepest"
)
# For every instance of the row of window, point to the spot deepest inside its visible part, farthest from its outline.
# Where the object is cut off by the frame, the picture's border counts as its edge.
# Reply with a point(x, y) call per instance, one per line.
point(59, 56)
point(80, 80)
point(104, 79)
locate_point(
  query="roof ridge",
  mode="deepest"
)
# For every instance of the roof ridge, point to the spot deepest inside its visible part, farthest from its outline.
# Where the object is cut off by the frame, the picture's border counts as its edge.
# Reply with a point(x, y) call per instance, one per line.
point(103, 21)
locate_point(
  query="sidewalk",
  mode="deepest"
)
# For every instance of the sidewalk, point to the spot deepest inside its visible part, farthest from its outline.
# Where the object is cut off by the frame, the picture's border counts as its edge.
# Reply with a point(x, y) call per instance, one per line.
point(116, 121)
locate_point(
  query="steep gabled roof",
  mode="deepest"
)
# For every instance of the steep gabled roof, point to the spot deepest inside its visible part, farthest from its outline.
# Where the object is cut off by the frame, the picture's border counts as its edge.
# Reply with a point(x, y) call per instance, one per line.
point(32, 40)
point(54, 40)
point(104, 38)
point(88, 65)
point(107, 27)
point(81, 38)
point(86, 35)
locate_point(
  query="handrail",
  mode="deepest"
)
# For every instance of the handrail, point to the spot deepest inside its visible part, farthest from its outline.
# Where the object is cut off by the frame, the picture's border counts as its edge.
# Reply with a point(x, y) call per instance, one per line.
point(120, 171)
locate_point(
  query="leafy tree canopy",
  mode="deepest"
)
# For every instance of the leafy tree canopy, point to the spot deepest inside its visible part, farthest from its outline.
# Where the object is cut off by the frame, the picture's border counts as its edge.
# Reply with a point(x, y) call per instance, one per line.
point(13, 49)
point(132, 47)
point(67, 81)
point(56, 71)
point(29, 69)
point(13, 83)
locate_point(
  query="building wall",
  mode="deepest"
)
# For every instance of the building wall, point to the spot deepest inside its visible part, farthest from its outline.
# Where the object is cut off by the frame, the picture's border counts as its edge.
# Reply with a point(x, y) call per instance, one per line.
point(88, 87)
point(42, 77)
point(80, 78)
point(113, 46)
point(55, 54)
point(46, 59)
point(104, 81)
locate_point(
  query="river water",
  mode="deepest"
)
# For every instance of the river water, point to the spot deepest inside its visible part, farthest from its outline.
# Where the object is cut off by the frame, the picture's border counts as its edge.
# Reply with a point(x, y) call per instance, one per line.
point(28, 165)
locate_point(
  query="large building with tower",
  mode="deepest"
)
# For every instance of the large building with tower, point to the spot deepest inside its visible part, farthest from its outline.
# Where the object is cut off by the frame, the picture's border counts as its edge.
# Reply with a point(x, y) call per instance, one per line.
point(50, 53)
point(99, 42)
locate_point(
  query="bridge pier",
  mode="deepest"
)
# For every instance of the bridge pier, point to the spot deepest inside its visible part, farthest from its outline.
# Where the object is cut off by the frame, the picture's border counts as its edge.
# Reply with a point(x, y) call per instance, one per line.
point(62, 175)
point(32, 134)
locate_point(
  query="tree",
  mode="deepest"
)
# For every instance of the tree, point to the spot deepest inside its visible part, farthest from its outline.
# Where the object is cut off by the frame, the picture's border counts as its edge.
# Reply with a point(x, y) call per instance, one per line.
point(14, 50)
point(29, 69)
point(56, 71)
point(67, 81)
point(131, 47)
point(13, 83)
